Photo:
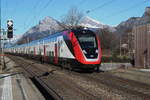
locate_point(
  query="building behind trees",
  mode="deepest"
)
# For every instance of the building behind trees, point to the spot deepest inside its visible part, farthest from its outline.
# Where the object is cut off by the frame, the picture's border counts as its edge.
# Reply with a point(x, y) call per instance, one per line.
point(142, 45)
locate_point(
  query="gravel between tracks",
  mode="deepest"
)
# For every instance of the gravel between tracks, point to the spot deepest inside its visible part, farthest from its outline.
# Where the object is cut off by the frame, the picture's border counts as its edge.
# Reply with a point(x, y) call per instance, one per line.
point(87, 86)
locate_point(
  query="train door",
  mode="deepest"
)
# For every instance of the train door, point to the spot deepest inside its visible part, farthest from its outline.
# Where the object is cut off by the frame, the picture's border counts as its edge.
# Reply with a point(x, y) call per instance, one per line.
point(56, 54)
point(34, 51)
point(59, 46)
point(44, 52)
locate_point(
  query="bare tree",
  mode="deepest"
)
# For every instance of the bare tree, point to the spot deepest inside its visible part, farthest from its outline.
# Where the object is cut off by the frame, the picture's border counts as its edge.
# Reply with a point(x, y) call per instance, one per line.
point(109, 40)
point(73, 17)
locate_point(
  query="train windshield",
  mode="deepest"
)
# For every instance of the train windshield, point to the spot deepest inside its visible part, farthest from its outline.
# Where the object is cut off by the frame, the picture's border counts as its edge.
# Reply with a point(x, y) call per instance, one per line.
point(87, 39)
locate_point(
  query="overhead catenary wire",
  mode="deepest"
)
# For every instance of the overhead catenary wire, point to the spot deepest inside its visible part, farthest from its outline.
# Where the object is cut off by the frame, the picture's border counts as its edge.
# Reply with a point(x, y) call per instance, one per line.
point(14, 9)
point(101, 6)
point(0, 31)
point(6, 8)
point(127, 9)
point(47, 4)
point(44, 7)
point(34, 7)
point(41, 11)
point(81, 2)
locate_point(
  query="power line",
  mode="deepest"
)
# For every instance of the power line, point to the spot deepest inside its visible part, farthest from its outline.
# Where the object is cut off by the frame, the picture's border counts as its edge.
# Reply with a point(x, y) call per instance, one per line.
point(11, 10)
point(127, 9)
point(0, 19)
point(44, 7)
point(47, 4)
point(6, 7)
point(81, 2)
point(16, 4)
point(101, 6)
point(34, 7)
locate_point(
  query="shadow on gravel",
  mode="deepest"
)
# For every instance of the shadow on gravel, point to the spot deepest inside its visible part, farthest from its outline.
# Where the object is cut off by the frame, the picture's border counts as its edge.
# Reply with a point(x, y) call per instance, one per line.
point(8, 69)
point(42, 89)
point(8, 62)
point(87, 71)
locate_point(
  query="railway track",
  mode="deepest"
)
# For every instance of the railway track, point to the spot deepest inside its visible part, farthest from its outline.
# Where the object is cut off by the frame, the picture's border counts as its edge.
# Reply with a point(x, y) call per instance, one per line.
point(46, 90)
point(85, 86)
point(37, 74)
point(121, 86)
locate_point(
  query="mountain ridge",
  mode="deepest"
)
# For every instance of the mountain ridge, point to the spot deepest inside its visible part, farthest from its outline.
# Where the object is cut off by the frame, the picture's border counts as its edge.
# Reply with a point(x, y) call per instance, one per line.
point(126, 26)
point(49, 25)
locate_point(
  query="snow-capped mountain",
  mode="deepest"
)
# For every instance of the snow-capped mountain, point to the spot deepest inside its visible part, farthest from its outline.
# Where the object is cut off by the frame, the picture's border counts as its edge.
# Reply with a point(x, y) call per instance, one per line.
point(92, 23)
point(49, 25)
point(45, 27)
point(89, 22)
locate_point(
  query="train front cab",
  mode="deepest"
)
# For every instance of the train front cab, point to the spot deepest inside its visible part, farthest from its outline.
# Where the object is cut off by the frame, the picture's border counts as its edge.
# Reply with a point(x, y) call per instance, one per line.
point(87, 50)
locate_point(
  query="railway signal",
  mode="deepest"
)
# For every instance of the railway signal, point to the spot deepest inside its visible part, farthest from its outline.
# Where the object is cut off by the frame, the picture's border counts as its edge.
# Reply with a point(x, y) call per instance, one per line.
point(9, 28)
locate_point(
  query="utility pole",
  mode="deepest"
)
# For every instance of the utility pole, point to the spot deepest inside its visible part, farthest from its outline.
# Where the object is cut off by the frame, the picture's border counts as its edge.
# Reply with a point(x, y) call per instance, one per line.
point(120, 46)
point(129, 44)
point(149, 48)
point(0, 32)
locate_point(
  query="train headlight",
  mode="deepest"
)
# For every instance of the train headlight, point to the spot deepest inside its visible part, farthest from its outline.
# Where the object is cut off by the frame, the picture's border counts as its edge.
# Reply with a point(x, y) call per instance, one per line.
point(96, 51)
point(84, 52)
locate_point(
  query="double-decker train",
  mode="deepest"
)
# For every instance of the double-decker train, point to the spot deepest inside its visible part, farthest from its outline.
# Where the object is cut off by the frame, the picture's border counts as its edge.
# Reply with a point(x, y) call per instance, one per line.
point(73, 48)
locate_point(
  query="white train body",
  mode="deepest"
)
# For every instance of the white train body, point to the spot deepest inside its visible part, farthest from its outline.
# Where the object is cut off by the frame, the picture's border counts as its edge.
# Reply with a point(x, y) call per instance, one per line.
point(75, 47)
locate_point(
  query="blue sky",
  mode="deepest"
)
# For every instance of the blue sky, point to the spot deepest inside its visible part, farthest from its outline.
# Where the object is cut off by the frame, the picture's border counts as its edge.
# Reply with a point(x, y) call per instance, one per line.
point(27, 13)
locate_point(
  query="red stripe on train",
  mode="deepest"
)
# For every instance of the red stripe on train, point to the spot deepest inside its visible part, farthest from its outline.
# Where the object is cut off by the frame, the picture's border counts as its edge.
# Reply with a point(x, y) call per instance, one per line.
point(99, 49)
point(78, 51)
point(34, 51)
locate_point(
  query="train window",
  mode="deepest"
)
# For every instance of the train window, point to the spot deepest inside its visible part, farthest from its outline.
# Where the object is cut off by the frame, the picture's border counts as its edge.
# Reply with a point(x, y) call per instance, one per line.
point(87, 41)
point(32, 52)
point(61, 42)
point(49, 53)
point(52, 53)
